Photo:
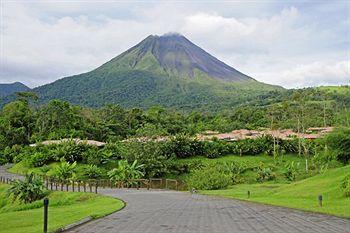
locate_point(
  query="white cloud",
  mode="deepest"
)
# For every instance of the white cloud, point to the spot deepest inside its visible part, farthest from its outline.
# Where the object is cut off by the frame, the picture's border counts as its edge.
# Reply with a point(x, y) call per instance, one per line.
point(42, 42)
point(314, 74)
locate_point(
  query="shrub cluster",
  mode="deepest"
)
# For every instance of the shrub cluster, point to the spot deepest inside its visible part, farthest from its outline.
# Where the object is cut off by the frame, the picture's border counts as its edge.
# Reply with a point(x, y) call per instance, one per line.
point(345, 186)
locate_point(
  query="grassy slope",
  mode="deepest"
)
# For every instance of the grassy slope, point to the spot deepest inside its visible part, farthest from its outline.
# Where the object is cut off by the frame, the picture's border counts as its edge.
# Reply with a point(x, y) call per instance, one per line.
point(252, 162)
point(65, 208)
point(300, 195)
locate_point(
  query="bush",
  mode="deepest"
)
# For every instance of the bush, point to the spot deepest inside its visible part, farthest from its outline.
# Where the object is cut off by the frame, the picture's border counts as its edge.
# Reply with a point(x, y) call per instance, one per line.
point(92, 172)
point(339, 142)
point(92, 157)
point(345, 186)
point(65, 170)
point(71, 151)
point(39, 159)
point(209, 177)
point(291, 171)
point(182, 147)
point(264, 173)
point(215, 149)
point(126, 172)
point(150, 154)
point(30, 189)
point(236, 169)
point(9, 153)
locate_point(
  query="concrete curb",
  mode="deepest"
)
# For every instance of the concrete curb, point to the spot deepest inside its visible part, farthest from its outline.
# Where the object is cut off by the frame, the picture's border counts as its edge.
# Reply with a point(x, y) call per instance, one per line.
point(73, 225)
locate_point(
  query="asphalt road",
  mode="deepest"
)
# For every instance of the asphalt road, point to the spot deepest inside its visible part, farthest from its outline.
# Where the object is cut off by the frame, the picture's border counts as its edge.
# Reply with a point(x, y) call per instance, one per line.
point(170, 211)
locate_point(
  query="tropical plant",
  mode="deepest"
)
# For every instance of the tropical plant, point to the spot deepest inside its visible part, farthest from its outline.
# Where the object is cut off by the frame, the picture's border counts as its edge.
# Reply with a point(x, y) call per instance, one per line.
point(28, 190)
point(291, 171)
point(236, 169)
point(345, 186)
point(92, 172)
point(209, 178)
point(125, 172)
point(264, 173)
point(65, 170)
point(39, 159)
point(339, 142)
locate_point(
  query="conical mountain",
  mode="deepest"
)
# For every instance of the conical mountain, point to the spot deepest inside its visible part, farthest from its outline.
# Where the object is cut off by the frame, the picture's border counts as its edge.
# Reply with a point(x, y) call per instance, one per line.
point(166, 70)
point(176, 56)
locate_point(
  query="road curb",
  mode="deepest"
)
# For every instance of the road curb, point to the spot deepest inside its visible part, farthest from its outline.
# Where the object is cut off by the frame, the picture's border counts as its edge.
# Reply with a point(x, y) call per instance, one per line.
point(73, 225)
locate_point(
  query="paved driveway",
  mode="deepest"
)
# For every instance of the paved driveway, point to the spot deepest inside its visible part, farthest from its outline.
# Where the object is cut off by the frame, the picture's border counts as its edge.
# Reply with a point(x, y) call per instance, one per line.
point(169, 211)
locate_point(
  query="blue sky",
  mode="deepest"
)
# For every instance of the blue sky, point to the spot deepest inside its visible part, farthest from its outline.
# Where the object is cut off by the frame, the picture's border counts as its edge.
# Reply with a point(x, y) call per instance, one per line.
point(288, 43)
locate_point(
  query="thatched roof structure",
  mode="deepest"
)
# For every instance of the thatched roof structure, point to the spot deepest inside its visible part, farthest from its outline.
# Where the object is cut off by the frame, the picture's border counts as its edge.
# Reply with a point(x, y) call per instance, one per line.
point(75, 140)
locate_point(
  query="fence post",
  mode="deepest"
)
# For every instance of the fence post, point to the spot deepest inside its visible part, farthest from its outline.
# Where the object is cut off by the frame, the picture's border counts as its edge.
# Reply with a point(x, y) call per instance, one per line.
point(46, 182)
point(320, 198)
point(90, 187)
point(46, 205)
point(248, 194)
point(78, 186)
point(84, 184)
point(96, 185)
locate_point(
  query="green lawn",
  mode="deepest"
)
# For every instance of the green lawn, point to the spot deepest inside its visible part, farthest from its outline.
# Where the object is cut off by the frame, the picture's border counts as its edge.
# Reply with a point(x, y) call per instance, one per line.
point(300, 195)
point(64, 208)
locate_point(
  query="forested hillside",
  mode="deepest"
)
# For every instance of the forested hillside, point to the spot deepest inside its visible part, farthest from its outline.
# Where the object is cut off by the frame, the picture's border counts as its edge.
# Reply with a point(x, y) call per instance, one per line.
point(24, 121)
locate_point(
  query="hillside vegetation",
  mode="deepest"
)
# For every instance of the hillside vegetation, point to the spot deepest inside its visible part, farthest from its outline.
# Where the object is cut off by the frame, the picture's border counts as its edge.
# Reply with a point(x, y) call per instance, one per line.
point(169, 71)
point(300, 195)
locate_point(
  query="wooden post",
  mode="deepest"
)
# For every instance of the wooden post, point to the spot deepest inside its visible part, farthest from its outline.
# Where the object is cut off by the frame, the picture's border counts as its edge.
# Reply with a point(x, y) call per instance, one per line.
point(51, 184)
point(61, 185)
point(67, 185)
point(90, 187)
point(248, 194)
point(96, 185)
point(176, 185)
point(46, 182)
point(78, 186)
point(73, 182)
point(84, 186)
point(56, 184)
point(46, 205)
point(320, 199)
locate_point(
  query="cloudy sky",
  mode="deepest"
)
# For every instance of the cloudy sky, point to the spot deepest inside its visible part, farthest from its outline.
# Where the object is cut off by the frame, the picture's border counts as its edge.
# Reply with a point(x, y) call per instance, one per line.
point(289, 43)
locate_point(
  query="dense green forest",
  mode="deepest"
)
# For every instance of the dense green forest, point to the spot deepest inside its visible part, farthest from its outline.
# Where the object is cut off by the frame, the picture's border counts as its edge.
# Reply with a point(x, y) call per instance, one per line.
point(23, 121)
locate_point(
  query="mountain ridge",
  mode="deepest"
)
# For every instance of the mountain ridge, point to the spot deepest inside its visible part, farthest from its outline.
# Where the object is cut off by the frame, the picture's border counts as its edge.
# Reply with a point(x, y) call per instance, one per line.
point(7, 89)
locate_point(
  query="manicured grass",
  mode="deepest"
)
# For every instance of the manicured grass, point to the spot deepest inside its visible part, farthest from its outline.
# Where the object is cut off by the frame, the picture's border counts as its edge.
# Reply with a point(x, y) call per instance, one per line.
point(64, 208)
point(23, 168)
point(300, 195)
